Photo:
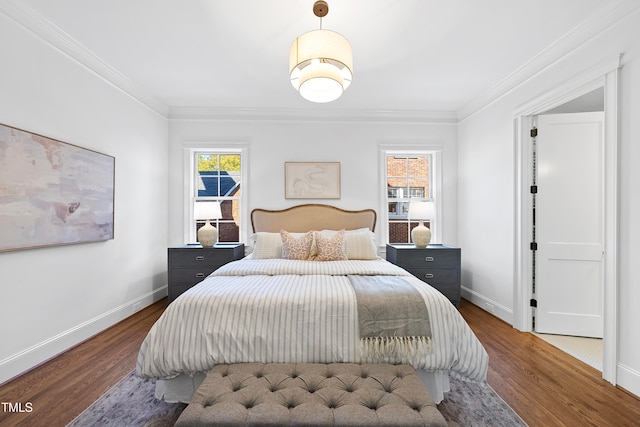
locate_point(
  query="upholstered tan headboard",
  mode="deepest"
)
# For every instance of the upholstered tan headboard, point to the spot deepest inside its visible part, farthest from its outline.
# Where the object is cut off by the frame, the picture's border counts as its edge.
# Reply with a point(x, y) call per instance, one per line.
point(308, 217)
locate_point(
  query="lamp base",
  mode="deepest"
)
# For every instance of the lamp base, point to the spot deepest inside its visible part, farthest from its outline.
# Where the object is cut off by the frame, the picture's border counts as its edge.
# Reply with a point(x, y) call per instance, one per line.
point(421, 236)
point(207, 235)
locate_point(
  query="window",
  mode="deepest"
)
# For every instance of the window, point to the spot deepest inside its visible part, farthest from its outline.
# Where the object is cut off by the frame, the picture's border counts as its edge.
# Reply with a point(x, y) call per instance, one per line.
point(217, 176)
point(408, 178)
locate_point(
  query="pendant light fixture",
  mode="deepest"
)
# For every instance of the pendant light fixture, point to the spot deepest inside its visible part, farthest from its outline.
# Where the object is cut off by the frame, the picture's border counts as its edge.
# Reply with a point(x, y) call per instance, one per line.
point(321, 62)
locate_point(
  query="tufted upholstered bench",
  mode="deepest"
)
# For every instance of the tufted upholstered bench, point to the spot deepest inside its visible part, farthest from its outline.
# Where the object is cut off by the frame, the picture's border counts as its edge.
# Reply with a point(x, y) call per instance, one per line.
point(276, 394)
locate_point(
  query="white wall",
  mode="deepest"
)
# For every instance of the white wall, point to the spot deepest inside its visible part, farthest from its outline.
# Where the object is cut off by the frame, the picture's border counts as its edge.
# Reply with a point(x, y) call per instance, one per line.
point(487, 187)
point(355, 144)
point(53, 298)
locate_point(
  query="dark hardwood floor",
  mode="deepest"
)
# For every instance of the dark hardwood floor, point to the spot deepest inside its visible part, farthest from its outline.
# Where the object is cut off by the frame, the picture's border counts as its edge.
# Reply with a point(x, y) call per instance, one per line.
point(545, 386)
point(64, 386)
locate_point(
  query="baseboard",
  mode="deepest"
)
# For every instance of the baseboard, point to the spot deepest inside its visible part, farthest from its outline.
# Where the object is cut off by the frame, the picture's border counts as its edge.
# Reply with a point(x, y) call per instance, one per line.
point(629, 379)
point(487, 304)
point(35, 355)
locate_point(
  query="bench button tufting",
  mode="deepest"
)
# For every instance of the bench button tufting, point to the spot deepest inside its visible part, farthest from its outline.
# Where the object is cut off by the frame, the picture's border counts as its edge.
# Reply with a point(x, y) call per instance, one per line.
point(332, 404)
point(377, 388)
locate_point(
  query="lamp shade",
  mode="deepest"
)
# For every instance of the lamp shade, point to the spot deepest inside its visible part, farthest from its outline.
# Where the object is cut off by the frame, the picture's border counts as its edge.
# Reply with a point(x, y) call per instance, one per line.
point(321, 65)
point(207, 210)
point(421, 210)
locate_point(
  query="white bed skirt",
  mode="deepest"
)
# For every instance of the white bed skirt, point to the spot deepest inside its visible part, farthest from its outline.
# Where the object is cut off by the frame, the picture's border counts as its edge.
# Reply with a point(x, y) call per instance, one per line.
point(183, 387)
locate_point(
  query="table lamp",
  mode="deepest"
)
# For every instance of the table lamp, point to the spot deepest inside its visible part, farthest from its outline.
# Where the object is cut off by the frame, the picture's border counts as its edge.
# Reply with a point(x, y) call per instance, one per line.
point(207, 234)
point(421, 235)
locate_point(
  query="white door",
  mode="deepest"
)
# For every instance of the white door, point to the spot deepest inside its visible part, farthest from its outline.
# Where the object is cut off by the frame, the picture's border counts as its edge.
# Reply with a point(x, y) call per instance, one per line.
point(570, 224)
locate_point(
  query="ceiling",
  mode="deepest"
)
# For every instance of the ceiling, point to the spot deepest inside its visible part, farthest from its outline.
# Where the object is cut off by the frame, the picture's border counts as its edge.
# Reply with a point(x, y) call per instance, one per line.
point(409, 55)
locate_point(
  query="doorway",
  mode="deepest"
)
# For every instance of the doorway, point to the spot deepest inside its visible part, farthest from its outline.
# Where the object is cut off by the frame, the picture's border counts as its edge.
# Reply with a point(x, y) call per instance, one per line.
point(568, 172)
point(604, 75)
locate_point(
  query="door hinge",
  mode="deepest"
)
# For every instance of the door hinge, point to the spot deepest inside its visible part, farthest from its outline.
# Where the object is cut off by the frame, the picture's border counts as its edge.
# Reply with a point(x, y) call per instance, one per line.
point(533, 189)
point(533, 217)
point(533, 302)
point(534, 132)
point(533, 246)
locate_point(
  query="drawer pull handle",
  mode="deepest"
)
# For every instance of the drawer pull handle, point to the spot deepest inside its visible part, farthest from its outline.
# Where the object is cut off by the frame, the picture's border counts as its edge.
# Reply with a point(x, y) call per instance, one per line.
point(428, 276)
point(199, 275)
point(200, 258)
point(429, 259)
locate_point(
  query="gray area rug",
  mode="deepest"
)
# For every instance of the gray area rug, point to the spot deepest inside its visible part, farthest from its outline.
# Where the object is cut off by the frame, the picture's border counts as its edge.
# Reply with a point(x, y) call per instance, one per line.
point(130, 403)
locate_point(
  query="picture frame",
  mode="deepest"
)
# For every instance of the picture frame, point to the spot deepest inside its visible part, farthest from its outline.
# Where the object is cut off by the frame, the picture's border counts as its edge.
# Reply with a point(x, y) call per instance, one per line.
point(52, 192)
point(312, 180)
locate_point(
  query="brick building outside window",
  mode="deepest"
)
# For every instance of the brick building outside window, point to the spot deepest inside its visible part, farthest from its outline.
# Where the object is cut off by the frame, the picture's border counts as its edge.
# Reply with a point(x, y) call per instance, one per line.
point(408, 179)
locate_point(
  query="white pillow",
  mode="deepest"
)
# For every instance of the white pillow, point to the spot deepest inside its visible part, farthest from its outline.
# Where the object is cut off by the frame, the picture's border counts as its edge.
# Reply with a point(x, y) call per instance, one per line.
point(361, 244)
point(266, 245)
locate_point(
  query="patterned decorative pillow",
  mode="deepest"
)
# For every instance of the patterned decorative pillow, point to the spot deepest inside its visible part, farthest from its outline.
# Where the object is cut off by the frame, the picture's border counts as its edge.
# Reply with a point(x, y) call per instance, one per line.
point(359, 243)
point(330, 248)
point(296, 247)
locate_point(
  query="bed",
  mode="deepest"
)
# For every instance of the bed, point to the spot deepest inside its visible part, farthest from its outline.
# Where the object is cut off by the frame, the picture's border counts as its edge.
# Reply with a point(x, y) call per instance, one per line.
point(313, 290)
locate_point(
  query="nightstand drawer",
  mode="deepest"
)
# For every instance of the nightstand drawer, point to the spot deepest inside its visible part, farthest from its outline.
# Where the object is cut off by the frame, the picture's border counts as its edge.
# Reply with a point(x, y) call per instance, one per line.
point(191, 275)
point(440, 258)
point(438, 265)
point(435, 275)
point(446, 280)
point(191, 264)
point(197, 258)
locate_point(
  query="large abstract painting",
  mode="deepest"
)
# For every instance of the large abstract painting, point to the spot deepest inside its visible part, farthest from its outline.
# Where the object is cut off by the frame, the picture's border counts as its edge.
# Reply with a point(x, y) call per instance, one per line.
point(52, 193)
point(312, 180)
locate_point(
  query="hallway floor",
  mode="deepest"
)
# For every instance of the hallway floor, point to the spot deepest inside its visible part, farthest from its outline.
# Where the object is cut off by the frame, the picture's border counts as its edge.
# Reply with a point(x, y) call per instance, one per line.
point(589, 350)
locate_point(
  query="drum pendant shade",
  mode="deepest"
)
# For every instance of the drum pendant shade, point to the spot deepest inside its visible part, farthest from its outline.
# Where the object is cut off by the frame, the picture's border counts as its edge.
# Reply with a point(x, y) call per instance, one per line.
point(321, 65)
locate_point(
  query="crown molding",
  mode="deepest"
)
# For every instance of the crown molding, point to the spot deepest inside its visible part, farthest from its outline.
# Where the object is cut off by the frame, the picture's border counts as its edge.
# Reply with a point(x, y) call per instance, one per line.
point(43, 27)
point(289, 114)
point(40, 25)
point(598, 22)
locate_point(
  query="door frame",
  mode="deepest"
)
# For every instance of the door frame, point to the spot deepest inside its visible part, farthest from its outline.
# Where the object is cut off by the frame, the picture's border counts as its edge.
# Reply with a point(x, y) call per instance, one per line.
point(605, 74)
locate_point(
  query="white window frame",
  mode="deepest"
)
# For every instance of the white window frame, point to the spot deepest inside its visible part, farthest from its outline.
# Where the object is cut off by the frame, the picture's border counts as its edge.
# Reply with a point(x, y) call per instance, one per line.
point(435, 183)
point(190, 151)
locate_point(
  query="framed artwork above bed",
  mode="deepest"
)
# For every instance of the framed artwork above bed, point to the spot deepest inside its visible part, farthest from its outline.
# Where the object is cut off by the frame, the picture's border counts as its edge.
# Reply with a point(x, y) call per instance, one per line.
point(52, 193)
point(312, 180)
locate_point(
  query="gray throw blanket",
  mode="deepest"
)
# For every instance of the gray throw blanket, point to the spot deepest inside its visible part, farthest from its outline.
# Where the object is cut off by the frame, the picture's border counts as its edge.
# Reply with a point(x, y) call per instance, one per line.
point(393, 320)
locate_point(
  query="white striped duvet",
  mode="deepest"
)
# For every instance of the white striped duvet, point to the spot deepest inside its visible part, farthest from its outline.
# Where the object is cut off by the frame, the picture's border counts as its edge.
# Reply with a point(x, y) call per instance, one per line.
point(292, 312)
